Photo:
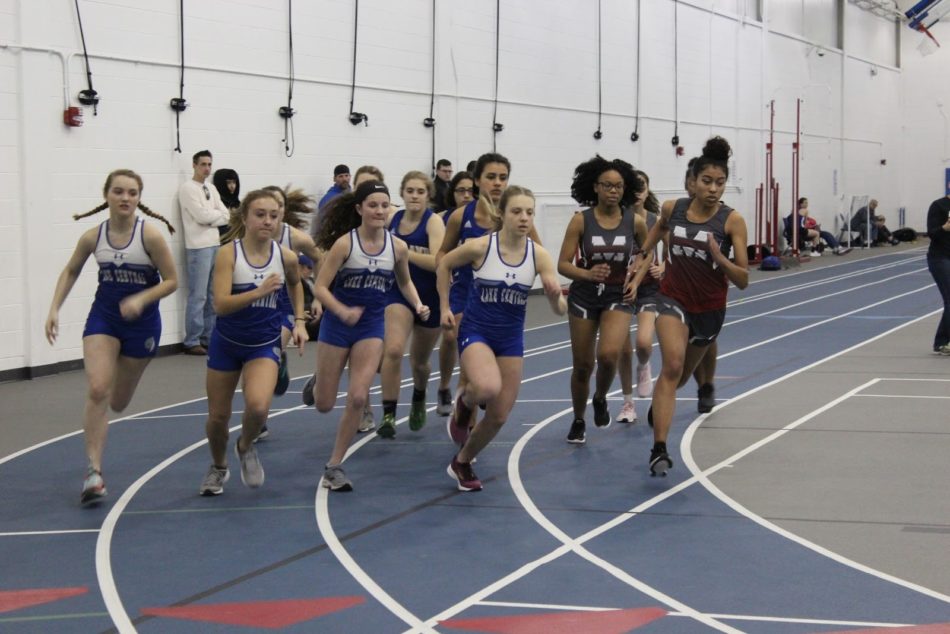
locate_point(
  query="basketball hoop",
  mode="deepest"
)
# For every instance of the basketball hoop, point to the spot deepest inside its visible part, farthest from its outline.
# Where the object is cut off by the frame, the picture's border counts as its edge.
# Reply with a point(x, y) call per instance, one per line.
point(929, 44)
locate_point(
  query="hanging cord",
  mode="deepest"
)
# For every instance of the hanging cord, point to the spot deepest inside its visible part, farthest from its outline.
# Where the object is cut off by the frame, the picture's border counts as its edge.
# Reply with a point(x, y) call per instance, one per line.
point(600, 83)
point(429, 122)
point(356, 117)
point(287, 112)
point(496, 127)
point(676, 75)
point(635, 135)
point(178, 104)
point(88, 97)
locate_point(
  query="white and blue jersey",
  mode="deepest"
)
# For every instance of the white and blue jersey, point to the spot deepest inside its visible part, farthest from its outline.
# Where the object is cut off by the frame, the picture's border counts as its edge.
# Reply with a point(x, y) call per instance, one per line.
point(462, 276)
point(125, 271)
point(364, 279)
point(418, 241)
point(497, 301)
point(259, 323)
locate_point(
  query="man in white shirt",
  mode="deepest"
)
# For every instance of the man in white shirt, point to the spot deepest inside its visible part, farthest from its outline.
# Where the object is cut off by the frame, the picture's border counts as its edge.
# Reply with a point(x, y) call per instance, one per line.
point(201, 213)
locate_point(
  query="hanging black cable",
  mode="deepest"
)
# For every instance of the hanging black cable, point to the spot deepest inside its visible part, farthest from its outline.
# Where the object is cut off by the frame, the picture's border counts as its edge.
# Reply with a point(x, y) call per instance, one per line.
point(676, 75)
point(178, 104)
point(429, 121)
point(88, 97)
point(287, 112)
point(496, 127)
point(635, 135)
point(600, 84)
point(356, 117)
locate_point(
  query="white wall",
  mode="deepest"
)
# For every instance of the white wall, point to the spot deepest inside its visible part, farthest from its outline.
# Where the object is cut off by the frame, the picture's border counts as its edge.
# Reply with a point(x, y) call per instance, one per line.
point(236, 57)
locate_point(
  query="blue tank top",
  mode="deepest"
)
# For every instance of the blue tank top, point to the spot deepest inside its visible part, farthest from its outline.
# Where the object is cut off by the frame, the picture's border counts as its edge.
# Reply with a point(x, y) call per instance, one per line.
point(259, 323)
point(364, 278)
point(124, 271)
point(417, 240)
point(468, 229)
point(499, 293)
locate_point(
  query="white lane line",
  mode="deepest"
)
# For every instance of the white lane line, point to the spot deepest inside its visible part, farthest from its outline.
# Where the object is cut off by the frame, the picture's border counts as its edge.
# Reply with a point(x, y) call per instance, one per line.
point(702, 475)
point(902, 396)
point(61, 532)
point(517, 485)
point(725, 617)
point(107, 585)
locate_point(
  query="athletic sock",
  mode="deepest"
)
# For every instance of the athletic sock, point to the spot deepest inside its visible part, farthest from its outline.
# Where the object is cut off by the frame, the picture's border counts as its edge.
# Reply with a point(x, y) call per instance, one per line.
point(418, 395)
point(628, 398)
point(389, 407)
point(659, 447)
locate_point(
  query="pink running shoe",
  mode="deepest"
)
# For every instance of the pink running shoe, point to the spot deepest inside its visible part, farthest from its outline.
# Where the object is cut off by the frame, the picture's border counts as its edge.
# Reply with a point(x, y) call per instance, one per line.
point(458, 422)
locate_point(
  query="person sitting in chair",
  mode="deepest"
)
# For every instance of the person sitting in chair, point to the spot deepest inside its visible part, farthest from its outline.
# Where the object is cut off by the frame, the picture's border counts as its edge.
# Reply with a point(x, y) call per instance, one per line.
point(811, 233)
point(879, 232)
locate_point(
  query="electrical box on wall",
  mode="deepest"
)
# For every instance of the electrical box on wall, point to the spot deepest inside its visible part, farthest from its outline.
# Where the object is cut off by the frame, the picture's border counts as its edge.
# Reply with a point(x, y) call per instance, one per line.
point(72, 116)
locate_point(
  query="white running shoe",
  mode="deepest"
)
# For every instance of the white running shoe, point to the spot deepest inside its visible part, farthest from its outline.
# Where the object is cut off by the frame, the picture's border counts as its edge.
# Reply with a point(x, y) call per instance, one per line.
point(628, 413)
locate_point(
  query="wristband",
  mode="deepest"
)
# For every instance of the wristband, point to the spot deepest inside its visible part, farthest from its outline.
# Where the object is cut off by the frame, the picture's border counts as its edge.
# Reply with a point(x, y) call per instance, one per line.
point(300, 319)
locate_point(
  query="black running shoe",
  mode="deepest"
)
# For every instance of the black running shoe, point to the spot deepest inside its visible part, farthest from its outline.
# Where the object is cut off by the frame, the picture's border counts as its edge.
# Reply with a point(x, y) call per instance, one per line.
point(650, 416)
point(601, 413)
point(283, 376)
point(660, 462)
point(706, 398)
point(307, 395)
point(577, 435)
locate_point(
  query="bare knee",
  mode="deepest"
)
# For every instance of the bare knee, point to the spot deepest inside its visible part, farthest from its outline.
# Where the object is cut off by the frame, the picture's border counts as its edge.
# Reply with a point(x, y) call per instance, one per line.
point(256, 410)
point(393, 353)
point(357, 400)
point(99, 392)
point(608, 358)
point(325, 404)
point(421, 368)
point(582, 372)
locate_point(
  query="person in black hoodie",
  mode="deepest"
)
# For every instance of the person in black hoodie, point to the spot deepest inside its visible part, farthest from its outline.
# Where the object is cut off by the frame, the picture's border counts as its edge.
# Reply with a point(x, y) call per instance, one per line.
point(228, 184)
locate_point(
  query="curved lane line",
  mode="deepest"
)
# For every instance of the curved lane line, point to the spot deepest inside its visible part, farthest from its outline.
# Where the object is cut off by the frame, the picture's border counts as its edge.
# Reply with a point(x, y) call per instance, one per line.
point(702, 475)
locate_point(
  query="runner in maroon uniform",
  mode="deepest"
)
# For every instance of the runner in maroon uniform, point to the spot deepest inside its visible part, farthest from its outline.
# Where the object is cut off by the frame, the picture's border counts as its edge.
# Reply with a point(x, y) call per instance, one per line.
point(691, 306)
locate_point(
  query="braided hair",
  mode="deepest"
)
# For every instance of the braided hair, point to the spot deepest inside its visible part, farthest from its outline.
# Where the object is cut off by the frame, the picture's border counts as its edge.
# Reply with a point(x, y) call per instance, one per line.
point(105, 192)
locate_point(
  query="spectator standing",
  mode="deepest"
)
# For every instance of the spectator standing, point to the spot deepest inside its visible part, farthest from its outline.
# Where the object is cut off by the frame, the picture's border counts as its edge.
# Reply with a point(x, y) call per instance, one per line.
point(938, 262)
point(228, 184)
point(202, 212)
point(443, 176)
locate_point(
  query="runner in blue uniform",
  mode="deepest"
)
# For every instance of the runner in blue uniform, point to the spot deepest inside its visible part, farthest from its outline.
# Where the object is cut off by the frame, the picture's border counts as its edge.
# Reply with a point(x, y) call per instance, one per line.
point(491, 335)
point(606, 237)
point(460, 193)
point(419, 228)
point(248, 275)
point(122, 332)
point(363, 261)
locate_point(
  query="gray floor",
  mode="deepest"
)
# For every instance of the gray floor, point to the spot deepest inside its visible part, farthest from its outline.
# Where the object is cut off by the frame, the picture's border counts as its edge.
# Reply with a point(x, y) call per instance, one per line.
point(866, 479)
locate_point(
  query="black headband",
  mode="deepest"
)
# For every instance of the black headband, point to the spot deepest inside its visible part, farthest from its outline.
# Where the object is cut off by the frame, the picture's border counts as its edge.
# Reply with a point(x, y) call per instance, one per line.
point(369, 187)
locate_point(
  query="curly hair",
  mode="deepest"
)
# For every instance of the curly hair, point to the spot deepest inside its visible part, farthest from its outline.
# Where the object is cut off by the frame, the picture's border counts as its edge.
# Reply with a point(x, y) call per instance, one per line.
point(105, 192)
point(340, 216)
point(716, 153)
point(236, 223)
point(587, 173)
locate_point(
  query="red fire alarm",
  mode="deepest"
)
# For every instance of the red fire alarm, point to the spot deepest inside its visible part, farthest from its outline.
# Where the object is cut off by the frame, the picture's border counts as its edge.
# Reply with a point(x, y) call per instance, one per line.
point(72, 116)
point(679, 150)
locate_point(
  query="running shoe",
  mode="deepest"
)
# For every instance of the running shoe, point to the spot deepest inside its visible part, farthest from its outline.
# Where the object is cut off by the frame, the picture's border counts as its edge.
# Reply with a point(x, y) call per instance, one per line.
point(252, 472)
point(213, 484)
point(444, 407)
point(93, 487)
point(601, 413)
point(464, 475)
point(387, 426)
point(264, 433)
point(417, 415)
point(367, 422)
point(644, 380)
point(943, 350)
point(660, 462)
point(650, 416)
point(628, 413)
point(706, 398)
point(458, 422)
point(577, 434)
point(335, 479)
point(283, 376)
point(307, 395)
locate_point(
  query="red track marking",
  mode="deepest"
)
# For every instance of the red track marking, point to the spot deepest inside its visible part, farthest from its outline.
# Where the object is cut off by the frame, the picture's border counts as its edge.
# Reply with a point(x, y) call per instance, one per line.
point(610, 622)
point(267, 614)
point(11, 600)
